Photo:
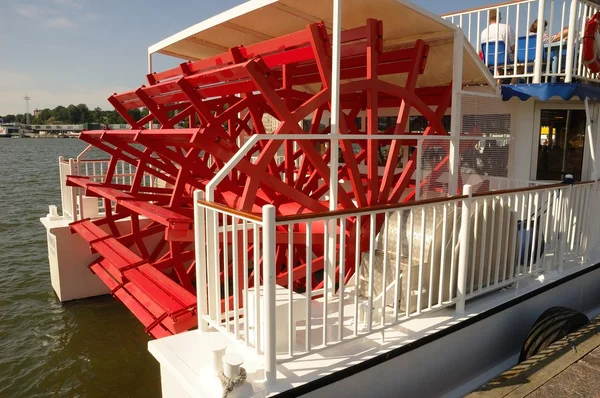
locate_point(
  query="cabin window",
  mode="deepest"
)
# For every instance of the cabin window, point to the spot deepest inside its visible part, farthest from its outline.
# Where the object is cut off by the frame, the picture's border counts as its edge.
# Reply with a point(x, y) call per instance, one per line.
point(561, 144)
point(418, 124)
point(386, 122)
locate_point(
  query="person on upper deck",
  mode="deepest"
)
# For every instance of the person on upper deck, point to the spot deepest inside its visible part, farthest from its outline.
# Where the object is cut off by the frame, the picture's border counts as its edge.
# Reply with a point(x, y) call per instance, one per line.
point(498, 31)
point(547, 38)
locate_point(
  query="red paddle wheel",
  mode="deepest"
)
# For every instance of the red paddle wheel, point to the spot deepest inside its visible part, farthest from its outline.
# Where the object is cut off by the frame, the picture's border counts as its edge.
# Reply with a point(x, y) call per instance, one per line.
point(224, 99)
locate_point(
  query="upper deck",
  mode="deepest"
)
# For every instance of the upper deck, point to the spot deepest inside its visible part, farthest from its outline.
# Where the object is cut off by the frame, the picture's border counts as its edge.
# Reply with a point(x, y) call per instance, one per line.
point(546, 54)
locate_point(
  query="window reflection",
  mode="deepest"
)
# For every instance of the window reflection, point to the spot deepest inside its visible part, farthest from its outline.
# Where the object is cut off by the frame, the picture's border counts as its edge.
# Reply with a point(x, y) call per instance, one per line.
point(561, 144)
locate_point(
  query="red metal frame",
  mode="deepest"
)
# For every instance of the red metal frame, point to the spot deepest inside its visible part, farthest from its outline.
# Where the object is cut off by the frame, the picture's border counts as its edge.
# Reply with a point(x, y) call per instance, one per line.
point(229, 95)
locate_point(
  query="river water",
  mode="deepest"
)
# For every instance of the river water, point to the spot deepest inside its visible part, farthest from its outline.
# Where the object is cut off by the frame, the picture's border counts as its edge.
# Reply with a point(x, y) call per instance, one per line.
point(85, 348)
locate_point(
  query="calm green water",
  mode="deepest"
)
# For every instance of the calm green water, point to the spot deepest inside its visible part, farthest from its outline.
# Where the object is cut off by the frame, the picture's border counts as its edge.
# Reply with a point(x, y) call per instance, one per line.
point(86, 348)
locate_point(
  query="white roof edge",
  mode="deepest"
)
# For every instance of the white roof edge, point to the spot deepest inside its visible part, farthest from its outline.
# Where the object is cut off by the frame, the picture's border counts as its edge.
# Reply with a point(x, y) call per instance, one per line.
point(484, 70)
point(252, 5)
point(234, 12)
point(470, 50)
point(429, 14)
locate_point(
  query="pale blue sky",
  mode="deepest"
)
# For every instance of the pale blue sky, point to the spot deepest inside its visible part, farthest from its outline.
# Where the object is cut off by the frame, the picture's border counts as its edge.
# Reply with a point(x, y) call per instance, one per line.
point(80, 51)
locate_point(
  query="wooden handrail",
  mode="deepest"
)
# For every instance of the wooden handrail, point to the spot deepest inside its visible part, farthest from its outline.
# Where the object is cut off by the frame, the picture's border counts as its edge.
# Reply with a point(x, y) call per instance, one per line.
point(230, 210)
point(362, 210)
point(527, 189)
point(384, 207)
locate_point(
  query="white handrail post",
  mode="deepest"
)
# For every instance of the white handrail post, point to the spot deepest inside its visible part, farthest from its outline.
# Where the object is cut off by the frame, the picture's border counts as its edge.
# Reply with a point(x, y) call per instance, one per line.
point(268, 216)
point(73, 191)
point(63, 186)
point(334, 142)
point(200, 249)
point(591, 221)
point(419, 176)
point(463, 255)
point(539, 43)
point(456, 111)
point(591, 142)
point(570, 42)
point(588, 222)
point(564, 230)
point(335, 104)
point(595, 211)
point(150, 71)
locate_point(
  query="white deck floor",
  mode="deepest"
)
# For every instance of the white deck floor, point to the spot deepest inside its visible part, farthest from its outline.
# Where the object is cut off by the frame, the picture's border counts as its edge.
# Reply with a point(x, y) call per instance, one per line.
point(185, 356)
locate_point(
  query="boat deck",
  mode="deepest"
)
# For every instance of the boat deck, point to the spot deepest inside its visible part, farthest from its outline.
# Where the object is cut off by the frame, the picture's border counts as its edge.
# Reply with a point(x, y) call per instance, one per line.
point(569, 367)
point(319, 368)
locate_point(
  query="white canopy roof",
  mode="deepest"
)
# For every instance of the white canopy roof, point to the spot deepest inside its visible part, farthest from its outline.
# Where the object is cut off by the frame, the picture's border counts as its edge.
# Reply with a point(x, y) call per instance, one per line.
point(259, 20)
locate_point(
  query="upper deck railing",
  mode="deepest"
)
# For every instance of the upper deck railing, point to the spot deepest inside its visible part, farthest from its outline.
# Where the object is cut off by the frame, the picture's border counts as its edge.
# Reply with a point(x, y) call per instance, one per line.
point(517, 52)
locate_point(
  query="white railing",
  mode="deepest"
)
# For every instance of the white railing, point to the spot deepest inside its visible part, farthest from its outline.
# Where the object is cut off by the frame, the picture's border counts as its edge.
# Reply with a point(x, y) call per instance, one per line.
point(96, 171)
point(533, 59)
point(68, 198)
point(424, 175)
point(72, 198)
point(246, 243)
point(527, 232)
point(413, 259)
point(501, 183)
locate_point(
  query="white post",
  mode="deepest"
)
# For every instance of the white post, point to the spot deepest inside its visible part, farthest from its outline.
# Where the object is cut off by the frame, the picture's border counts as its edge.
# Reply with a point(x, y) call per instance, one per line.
point(212, 257)
point(200, 249)
point(232, 365)
point(81, 190)
point(570, 42)
point(590, 136)
point(463, 255)
point(539, 43)
point(564, 229)
point(63, 186)
point(334, 141)
point(594, 225)
point(268, 216)
point(456, 115)
point(419, 170)
point(217, 351)
point(73, 191)
point(335, 104)
point(150, 72)
point(596, 133)
point(588, 219)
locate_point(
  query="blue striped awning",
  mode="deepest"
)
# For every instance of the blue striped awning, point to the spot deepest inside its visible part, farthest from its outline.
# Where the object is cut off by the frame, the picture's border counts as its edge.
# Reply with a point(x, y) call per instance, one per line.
point(545, 91)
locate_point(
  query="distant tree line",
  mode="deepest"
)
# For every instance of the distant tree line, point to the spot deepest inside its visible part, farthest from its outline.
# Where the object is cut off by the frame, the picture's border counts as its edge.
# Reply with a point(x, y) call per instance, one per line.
point(74, 114)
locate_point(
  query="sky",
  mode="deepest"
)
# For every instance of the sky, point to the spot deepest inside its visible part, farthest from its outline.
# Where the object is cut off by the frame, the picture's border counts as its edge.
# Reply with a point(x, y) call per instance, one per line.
point(62, 52)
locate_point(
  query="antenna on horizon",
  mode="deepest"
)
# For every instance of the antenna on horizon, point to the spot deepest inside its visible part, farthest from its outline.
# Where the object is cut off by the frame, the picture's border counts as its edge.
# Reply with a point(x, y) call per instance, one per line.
point(27, 98)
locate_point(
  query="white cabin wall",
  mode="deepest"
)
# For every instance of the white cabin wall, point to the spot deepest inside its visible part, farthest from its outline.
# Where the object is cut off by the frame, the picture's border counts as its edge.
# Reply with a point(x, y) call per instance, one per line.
point(461, 361)
point(522, 134)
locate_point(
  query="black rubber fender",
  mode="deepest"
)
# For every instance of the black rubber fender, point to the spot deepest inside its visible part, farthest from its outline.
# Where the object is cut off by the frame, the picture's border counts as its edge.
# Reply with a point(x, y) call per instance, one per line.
point(554, 324)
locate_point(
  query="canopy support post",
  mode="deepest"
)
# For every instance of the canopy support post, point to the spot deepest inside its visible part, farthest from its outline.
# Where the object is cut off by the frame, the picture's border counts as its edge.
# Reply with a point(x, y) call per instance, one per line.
point(456, 121)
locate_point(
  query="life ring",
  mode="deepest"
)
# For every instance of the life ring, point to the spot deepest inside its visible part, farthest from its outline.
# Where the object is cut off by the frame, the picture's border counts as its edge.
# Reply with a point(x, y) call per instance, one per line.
point(591, 44)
